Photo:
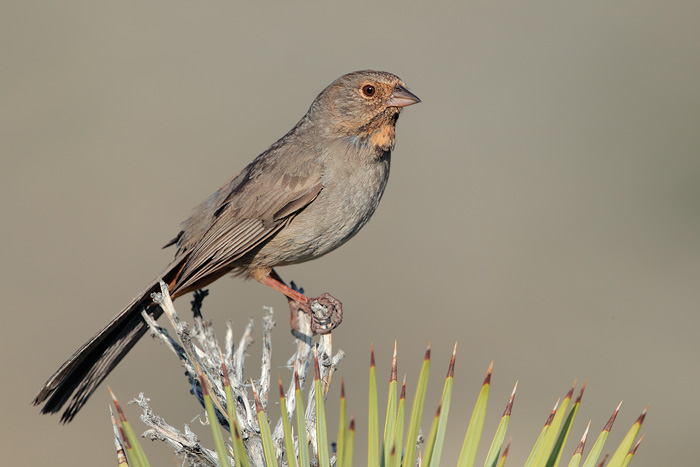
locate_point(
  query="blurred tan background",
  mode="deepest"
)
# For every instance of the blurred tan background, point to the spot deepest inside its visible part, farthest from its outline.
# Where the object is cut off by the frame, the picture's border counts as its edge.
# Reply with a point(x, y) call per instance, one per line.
point(543, 209)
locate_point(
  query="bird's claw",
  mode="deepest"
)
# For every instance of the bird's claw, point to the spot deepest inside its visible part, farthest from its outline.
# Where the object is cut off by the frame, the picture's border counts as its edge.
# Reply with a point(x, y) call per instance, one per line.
point(331, 314)
point(325, 311)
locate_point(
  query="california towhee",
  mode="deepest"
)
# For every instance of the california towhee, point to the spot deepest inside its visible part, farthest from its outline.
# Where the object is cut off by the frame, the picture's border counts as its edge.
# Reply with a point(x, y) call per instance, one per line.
point(303, 197)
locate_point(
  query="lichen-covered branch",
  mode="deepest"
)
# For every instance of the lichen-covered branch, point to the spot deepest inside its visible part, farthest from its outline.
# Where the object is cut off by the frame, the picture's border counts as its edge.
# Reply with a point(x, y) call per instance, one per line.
point(196, 348)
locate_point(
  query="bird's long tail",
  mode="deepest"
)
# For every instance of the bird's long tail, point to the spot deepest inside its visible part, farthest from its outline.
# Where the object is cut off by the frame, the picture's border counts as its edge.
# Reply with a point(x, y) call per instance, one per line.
point(80, 375)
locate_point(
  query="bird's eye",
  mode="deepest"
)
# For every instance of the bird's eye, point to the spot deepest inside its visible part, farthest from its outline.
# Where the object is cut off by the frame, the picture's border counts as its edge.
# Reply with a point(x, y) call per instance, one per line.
point(368, 90)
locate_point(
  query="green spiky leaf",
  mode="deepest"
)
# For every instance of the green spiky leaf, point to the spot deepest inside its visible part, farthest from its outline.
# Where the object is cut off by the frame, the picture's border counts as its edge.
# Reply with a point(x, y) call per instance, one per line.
point(417, 412)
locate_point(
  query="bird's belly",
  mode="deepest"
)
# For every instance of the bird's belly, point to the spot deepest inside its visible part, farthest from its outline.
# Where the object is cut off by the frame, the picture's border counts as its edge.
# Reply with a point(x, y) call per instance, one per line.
point(335, 216)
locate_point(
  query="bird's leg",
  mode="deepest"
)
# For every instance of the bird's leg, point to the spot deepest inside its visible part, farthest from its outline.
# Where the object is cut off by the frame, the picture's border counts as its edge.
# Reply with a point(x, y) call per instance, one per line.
point(275, 281)
point(294, 304)
point(298, 301)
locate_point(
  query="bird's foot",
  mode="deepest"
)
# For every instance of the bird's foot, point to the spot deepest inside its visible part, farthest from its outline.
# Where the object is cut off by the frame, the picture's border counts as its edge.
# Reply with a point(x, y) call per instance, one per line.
point(325, 311)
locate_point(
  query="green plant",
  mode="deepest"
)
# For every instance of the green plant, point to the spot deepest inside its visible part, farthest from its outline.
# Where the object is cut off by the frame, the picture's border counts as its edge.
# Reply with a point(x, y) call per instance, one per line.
point(217, 380)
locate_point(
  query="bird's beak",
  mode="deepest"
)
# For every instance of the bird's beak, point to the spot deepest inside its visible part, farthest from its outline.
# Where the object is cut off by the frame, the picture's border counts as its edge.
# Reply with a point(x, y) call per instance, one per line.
point(401, 97)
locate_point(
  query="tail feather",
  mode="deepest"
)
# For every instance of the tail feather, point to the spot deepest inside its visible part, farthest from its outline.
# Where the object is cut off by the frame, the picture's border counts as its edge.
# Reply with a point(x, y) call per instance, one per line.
point(80, 375)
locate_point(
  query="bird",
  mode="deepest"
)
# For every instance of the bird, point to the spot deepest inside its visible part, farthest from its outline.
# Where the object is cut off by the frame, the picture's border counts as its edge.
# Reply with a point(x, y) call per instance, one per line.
point(301, 198)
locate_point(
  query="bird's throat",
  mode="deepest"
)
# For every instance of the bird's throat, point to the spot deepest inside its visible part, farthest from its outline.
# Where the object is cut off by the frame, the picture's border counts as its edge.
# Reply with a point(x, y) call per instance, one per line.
point(383, 137)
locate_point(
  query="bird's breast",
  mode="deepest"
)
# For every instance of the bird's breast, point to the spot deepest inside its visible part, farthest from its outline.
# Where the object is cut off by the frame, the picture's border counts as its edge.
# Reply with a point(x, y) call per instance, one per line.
point(348, 200)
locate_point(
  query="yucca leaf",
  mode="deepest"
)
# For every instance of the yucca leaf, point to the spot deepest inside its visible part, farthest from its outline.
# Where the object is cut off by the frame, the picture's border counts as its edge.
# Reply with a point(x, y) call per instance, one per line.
point(557, 450)
point(138, 456)
point(398, 442)
point(632, 452)
point(349, 443)
point(321, 430)
point(265, 434)
point(216, 434)
point(373, 416)
point(600, 442)
point(301, 424)
point(553, 433)
point(240, 458)
point(239, 449)
point(417, 413)
point(623, 449)
point(537, 455)
point(444, 413)
point(578, 452)
point(476, 424)
point(287, 428)
point(130, 453)
point(389, 440)
point(339, 456)
point(497, 442)
point(504, 456)
point(432, 434)
point(118, 443)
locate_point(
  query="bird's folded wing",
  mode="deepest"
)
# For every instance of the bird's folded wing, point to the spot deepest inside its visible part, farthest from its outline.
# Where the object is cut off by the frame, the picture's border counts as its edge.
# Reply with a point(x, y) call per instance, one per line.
point(245, 221)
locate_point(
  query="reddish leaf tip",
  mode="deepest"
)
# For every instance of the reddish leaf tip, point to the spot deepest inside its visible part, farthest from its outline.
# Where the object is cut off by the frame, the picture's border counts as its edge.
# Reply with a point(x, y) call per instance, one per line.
point(122, 417)
point(640, 420)
point(205, 391)
point(552, 414)
point(223, 363)
point(296, 381)
point(352, 423)
point(505, 451)
point(427, 352)
point(571, 391)
point(279, 380)
point(487, 380)
point(582, 443)
point(403, 389)
point(608, 426)
point(509, 405)
point(633, 451)
point(580, 393)
point(258, 405)
point(224, 373)
point(342, 387)
point(371, 356)
point(451, 368)
point(317, 370)
point(114, 398)
point(394, 366)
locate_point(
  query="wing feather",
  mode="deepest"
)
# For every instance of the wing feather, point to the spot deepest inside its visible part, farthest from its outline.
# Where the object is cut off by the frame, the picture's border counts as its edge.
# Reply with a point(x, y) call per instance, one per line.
point(231, 235)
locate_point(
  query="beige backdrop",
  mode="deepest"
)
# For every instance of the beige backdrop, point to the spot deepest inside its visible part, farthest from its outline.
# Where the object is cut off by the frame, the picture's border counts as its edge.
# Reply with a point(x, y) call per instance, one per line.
point(543, 209)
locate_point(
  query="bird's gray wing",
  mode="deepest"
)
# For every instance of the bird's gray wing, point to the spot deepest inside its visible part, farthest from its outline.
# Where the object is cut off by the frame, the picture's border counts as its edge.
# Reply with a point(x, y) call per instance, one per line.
point(253, 207)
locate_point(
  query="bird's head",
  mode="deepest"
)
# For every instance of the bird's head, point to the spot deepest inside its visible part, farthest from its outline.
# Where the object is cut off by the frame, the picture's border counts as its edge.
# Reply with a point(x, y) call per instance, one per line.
point(363, 106)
